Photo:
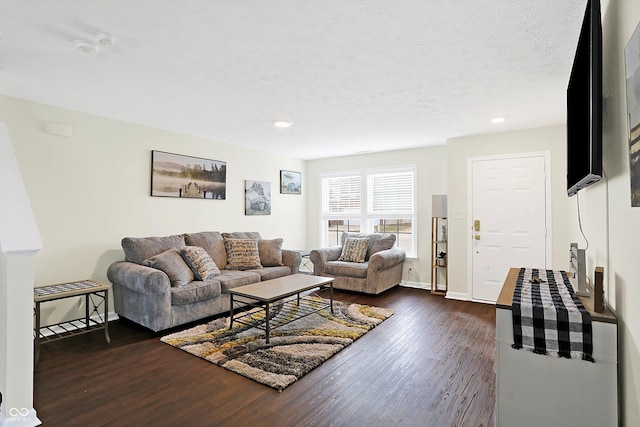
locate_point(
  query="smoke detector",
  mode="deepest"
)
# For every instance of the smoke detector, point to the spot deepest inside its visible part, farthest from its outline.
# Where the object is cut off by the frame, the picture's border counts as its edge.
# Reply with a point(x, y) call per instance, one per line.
point(87, 47)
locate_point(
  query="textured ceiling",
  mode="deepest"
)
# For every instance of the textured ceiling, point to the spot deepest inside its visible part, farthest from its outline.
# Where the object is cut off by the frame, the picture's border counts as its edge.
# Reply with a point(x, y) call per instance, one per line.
point(352, 76)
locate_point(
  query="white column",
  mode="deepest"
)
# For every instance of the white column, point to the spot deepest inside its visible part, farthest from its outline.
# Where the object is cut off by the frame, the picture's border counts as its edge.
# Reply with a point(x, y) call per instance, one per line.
point(19, 242)
point(16, 341)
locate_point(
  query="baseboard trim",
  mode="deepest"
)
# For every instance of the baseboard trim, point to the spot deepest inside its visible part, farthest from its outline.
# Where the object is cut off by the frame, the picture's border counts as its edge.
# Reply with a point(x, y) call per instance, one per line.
point(22, 417)
point(415, 285)
point(483, 301)
point(458, 296)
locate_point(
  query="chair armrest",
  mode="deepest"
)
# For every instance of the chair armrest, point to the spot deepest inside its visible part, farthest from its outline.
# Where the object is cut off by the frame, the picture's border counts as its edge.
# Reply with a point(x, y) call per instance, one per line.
point(291, 259)
point(139, 278)
point(386, 259)
point(321, 255)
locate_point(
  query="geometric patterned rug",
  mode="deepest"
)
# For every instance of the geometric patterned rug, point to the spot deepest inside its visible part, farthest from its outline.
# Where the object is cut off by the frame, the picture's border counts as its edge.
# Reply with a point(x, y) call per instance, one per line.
point(293, 350)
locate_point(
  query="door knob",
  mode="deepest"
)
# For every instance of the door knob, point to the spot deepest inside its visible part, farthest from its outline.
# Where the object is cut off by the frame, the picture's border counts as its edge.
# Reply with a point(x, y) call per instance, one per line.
point(477, 237)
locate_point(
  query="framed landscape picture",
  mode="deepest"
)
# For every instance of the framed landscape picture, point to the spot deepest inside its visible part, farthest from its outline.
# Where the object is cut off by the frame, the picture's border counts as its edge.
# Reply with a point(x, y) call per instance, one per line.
point(176, 175)
point(257, 196)
point(290, 182)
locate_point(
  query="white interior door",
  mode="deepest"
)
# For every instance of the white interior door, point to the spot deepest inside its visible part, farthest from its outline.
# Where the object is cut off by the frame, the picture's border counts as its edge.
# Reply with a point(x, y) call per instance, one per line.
point(509, 220)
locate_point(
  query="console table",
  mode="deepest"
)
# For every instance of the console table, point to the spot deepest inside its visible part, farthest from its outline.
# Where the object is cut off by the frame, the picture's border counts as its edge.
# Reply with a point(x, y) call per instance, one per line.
point(538, 390)
point(96, 295)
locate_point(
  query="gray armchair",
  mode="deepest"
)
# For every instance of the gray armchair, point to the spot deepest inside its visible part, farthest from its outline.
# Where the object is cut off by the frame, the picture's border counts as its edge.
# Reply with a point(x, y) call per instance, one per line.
point(381, 269)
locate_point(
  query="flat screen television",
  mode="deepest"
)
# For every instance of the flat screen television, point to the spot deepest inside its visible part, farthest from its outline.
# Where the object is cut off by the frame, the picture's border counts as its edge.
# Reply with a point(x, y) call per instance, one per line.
point(584, 105)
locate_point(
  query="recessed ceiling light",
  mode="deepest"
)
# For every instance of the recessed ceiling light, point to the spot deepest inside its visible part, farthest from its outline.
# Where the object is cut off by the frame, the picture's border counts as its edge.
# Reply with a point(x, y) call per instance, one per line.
point(282, 123)
point(497, 120)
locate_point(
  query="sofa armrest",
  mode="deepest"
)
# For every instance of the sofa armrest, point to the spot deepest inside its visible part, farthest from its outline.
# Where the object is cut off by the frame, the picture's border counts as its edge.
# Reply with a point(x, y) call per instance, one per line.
point(321, 255)
point(386, 259)
point(141, 294)
point(291, 259)
point(139, 278)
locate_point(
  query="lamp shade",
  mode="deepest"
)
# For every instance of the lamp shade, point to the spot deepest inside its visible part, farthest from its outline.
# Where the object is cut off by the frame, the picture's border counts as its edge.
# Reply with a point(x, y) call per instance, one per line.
point(439, 205)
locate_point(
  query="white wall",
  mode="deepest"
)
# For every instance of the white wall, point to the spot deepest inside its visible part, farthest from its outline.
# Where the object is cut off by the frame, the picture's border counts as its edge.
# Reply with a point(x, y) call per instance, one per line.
point(431, 179)
point(611, 224)
point(92, 189)
point(550, 139)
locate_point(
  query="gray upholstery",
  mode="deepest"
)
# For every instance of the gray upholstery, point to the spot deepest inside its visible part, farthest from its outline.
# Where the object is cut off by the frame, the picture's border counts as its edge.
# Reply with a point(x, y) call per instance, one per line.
point(381, 270)
point(146, 295)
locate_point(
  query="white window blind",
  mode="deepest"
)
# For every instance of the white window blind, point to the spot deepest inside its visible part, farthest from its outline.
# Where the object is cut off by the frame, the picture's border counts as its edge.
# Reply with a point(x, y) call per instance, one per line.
point(342, 195)
point(390, 194)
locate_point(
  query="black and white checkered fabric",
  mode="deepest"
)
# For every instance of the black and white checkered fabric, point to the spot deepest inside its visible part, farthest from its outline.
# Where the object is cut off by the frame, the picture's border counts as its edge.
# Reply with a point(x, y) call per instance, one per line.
point(548, 317)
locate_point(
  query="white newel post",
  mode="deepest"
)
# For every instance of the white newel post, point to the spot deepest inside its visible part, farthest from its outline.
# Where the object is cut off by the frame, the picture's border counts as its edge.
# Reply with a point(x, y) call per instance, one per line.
point(19, 243)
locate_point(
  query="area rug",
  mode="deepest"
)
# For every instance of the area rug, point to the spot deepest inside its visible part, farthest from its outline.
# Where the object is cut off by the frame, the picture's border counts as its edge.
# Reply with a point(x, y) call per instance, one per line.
point(294, 349)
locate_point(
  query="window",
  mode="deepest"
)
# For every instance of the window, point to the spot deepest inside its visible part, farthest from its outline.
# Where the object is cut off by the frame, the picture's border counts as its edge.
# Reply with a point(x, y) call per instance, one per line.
point(370, 201)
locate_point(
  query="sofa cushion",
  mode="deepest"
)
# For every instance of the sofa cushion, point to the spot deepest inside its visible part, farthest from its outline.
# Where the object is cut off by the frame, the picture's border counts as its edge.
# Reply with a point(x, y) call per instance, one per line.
point(200, 262)
point(270, 252)
point(344, 268)
point(171, 262)
point(242, 254)
point(195, 291)
point(354, 249)
point(137, 249)
point(268, 273)
point(210, 241)
point(230, 279)
point(377, 241)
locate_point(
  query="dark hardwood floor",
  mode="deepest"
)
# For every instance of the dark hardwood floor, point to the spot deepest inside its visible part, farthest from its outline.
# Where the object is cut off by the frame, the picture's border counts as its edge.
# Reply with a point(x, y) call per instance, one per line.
point(430, 364)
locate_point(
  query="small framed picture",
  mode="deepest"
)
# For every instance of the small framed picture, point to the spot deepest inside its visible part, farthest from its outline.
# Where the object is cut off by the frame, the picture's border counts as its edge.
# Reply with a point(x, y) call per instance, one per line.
point(290, 182)
point(257, 197)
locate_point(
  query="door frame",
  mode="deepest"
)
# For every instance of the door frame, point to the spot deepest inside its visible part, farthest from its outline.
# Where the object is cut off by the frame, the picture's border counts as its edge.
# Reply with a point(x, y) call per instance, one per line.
point(546, 155)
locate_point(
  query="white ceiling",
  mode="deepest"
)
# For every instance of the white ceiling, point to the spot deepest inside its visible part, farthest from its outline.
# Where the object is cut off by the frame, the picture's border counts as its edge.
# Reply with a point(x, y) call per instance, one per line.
point(352, 76)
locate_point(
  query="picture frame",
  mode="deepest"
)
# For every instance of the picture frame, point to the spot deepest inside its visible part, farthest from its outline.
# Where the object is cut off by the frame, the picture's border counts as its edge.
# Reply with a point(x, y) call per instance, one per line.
point(257, 196)
point(290, 182)
point(187, 177)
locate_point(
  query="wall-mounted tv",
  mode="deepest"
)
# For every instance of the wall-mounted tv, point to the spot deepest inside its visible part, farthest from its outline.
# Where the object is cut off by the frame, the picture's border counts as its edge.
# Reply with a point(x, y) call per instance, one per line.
point(584, 105)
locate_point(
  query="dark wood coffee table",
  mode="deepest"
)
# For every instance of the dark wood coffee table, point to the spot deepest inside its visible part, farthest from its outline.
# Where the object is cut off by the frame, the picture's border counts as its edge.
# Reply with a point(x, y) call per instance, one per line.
point(263, 294)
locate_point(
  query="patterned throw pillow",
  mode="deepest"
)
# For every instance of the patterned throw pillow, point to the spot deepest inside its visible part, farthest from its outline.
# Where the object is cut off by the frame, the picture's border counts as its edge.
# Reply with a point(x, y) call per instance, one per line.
point(171, 262)
point(242, 254)
point(354, 249)
point(200, 262)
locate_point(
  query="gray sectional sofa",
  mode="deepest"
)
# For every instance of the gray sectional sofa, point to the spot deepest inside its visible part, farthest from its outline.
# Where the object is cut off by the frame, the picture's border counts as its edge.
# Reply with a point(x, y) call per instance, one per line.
point(379, 268)
point(153, 288)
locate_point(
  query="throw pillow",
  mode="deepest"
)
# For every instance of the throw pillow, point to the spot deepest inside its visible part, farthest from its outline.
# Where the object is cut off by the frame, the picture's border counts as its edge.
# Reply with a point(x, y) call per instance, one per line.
point(381, 244)
point(354, 249)
point(270, 252)
point(242, 254)
point(200, 262)
point(171, 262)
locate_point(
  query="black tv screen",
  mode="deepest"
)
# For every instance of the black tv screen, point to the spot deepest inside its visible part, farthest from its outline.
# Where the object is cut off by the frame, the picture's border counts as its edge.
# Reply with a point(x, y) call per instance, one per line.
point(584, 105)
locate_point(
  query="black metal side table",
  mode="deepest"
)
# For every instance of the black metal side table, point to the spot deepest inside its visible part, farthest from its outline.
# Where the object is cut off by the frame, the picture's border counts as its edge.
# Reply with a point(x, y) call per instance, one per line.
point(306, 266)
point(96, 295)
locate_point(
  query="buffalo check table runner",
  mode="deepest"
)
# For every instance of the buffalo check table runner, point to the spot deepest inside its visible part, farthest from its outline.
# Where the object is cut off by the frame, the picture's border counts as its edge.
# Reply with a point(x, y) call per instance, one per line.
point(548, 317)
